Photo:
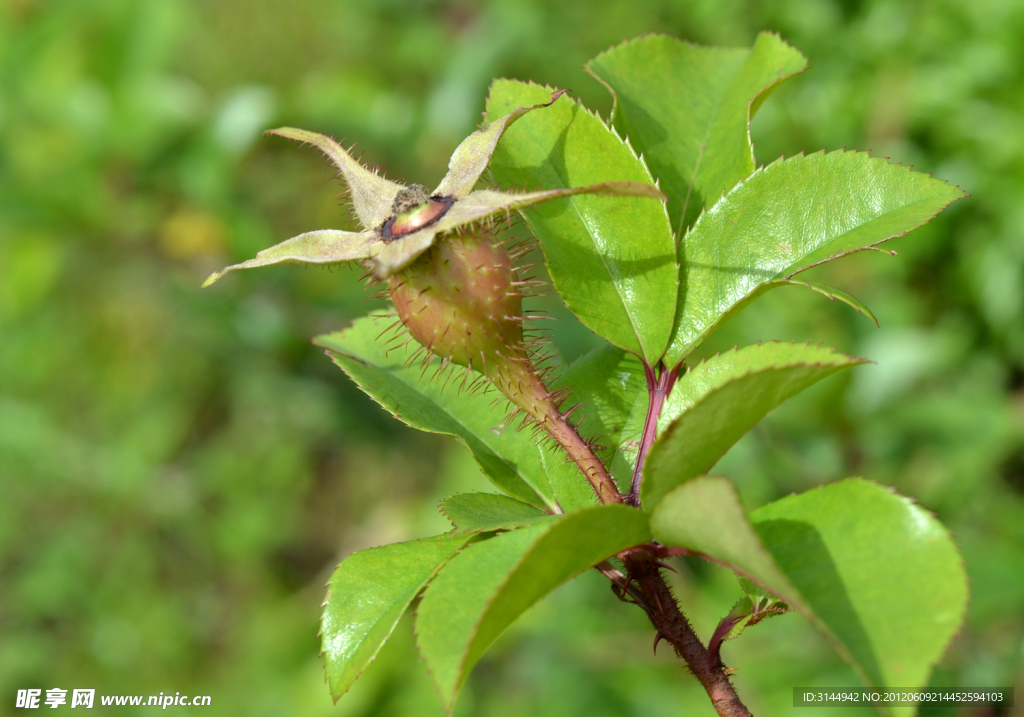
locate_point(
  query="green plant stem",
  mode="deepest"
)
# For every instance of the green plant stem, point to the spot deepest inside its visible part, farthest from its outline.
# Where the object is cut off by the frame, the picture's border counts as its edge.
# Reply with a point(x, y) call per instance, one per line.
point(565, 433)
point(521, 384)
point(658, 387)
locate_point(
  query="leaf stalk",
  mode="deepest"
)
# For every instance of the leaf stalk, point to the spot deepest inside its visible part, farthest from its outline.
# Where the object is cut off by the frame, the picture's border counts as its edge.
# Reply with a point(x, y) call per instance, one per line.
point(659, 385)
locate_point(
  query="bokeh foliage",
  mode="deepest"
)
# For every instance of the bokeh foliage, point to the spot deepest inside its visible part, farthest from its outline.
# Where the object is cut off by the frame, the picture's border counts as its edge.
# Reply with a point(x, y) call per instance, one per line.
point(180, 470)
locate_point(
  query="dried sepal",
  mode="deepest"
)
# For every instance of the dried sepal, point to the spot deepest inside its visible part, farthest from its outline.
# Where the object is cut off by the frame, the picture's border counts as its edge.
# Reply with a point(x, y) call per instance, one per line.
point(326, 246)
point(402, 222)
point(390, 257)
point(471, 158)
point(372, 195)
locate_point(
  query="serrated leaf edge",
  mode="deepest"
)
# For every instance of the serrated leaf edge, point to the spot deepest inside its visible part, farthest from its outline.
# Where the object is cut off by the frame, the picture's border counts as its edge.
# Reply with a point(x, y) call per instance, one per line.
point(849, 362)
point(824, 151)
point(331, 353)
point(463, 673)
point(750, 103)
point(446, 705)
point(609, 126)
point(373, 657)
point(508, 526)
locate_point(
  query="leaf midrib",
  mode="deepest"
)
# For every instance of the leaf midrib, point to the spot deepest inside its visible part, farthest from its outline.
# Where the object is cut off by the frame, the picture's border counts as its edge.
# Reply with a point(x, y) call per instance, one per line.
point(597, 249)
point(696, 165)
point(789, 272)
point(366, 636)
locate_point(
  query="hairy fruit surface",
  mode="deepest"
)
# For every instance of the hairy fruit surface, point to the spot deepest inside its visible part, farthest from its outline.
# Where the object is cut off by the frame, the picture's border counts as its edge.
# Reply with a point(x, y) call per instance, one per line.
point(459, 301)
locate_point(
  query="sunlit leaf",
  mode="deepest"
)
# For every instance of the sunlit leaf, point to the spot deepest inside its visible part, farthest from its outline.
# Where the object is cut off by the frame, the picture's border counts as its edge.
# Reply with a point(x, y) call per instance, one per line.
point(688, 109)
point(610, 384)
point(877, 574)
point(719, 400)
point(569, 486)
point(612, 259)
point(366, 597)
point(477, 512)
point(490, 584)
point(789, 216)
point(442, 405)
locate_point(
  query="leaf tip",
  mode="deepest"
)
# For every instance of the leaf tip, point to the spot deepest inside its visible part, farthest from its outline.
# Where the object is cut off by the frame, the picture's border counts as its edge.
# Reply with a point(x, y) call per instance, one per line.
point(213, 278)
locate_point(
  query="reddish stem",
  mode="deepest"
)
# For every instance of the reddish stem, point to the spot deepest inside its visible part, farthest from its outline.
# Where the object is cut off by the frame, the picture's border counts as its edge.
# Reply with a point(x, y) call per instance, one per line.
point(658, 387)
point(642, 583)
point(519, 381)
point(660, 605)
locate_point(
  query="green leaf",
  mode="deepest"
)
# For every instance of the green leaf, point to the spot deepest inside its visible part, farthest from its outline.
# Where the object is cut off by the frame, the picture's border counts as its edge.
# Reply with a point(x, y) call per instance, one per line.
point(507, 456)
point(688, 109)
point(746, 613)
point(756, 606)
point(613, 389)
point(613, 260)
point(877, 574)
point(478, 512)
point(790, 216)
point(570, 487)
point(367, 595)
point(490, 584)
point(719, 400)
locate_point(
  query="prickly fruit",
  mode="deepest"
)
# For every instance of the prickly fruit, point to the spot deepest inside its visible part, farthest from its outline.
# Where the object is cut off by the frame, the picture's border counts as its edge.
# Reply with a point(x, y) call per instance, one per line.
point(459, 301)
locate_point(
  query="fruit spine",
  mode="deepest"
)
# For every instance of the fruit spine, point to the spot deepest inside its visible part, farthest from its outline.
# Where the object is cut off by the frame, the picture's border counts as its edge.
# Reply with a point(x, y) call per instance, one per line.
point(461, 301)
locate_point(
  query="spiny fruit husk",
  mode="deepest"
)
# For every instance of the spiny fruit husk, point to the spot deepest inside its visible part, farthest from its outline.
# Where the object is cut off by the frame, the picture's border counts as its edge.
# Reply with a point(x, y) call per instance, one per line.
point(460, 301)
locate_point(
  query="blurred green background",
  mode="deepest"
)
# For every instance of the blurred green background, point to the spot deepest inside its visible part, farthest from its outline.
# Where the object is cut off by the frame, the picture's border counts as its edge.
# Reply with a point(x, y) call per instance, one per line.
point(180, 469)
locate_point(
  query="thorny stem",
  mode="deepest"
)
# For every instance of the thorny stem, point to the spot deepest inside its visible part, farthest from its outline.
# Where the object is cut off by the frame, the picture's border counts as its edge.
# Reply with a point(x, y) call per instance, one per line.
point(663, 611)
point(659, 387)
point(569, 438)
point(523, 386)
point(643, 583)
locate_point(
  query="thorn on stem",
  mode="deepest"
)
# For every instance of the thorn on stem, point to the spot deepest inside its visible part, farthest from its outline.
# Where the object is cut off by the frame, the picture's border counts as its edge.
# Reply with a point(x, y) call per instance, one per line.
point(665, 565)
point(565, 414)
